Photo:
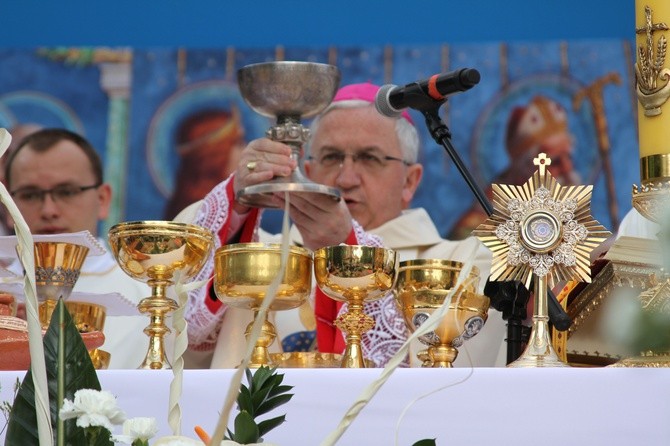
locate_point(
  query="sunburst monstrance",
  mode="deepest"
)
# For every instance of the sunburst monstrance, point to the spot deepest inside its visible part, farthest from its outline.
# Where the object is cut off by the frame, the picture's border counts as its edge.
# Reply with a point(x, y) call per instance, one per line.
point(541, 228)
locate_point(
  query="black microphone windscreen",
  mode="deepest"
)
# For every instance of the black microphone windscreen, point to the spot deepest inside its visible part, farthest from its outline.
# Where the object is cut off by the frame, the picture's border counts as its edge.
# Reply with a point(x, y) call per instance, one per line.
point(470, 77)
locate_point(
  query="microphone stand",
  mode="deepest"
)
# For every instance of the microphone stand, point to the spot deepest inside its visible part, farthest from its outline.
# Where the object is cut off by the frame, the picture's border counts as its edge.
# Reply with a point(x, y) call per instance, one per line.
point(512, 305)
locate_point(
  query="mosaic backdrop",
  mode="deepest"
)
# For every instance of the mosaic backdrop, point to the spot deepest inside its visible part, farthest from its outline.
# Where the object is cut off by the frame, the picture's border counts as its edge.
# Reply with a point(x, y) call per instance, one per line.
point(169, 122)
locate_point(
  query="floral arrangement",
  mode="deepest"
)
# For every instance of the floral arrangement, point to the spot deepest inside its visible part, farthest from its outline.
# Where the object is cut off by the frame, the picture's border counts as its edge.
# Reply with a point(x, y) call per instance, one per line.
point(84, 414)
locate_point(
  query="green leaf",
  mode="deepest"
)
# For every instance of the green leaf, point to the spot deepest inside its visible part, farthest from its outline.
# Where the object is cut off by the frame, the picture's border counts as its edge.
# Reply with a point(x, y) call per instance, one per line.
point(257, 399)
point(79, 374)
point(267, 425)
point(244, 400)
point(246, 430)
point(280, 389)
point(259, 379)
point(273, 403)
point(425, 442)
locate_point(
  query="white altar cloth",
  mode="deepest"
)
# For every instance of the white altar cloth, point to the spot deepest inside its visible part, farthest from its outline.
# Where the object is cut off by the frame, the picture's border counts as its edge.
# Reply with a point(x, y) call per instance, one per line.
point(549, 406)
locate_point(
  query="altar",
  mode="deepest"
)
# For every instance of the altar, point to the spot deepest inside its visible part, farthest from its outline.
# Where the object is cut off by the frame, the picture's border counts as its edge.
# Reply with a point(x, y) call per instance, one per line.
point(485, 406)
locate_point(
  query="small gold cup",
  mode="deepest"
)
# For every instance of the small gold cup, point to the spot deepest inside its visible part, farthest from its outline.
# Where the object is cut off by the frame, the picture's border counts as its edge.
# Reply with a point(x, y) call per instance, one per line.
point(154, 252)
point(57, 268)
point(243, 273)
point(422, 288)
point(355, 275)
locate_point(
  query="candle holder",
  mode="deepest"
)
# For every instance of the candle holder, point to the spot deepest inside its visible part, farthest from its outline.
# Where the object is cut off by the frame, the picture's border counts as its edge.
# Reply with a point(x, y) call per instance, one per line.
point(653, 196)
point(653, 91)
point(541, 232)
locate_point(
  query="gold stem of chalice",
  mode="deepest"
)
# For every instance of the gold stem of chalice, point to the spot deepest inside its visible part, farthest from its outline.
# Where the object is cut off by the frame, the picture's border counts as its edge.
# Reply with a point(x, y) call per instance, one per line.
point(422, 288)
point(154, 252)
point(355, 275)
point(242, 274)
point(287, 91)
point(354, 323)
point(539, 351)
point(260, 355)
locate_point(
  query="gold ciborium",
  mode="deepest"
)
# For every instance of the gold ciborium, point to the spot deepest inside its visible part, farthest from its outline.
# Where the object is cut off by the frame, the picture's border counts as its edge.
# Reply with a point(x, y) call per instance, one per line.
point(243, 273)
point(422, 288)
point(355, 275)
point(287, 91)
point(57, 268)
point(154, 252)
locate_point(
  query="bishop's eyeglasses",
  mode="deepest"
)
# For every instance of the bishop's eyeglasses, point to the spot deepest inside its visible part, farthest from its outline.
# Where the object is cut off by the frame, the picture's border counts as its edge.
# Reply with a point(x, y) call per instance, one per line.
point(370, 161)
point(63, 193)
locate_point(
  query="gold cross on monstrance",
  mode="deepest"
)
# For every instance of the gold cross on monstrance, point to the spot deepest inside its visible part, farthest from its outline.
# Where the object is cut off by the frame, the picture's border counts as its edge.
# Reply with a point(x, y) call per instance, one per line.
point(542, 161)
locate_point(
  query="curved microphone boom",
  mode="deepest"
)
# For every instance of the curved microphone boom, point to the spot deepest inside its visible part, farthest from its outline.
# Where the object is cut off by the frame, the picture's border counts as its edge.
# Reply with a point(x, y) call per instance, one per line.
point(392, 99)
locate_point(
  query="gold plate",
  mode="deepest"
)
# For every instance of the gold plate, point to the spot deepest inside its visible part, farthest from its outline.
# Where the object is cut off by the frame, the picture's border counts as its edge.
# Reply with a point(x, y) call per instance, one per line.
point(310, 360)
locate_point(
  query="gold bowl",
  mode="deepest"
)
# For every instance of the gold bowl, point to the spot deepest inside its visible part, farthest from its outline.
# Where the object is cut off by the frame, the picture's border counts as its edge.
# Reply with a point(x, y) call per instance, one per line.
point(151, 251)
point(159, 253)
point(422, 288)
point(306, 360)
point(244, 271)
point(100, 358)
point(87, 317)
point(57, 267)
point(355, 274)
point(310, 360)
point(351, 272)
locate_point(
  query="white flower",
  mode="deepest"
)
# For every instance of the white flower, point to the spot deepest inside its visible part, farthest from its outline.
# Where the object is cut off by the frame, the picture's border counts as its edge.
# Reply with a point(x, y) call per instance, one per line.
point(139, 428)
point(93, 408)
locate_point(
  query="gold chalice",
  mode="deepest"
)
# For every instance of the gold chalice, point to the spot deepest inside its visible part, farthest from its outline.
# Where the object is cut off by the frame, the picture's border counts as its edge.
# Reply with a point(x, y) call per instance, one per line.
point(243, 273)
point(422, 288)
point(355, 275)
point(57, 268)
point(154, 252)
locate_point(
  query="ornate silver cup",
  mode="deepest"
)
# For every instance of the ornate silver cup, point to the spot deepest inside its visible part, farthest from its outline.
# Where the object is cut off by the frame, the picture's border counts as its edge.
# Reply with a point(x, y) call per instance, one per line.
point(287, 91)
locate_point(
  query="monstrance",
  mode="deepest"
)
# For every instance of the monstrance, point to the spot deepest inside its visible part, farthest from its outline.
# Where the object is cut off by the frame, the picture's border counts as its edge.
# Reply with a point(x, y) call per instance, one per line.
point(541, 232)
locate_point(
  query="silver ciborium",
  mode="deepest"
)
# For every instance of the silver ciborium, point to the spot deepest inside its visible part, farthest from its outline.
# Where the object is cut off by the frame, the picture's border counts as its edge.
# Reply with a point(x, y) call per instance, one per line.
point(155, 253)
point(287, 91)
point(422, 288)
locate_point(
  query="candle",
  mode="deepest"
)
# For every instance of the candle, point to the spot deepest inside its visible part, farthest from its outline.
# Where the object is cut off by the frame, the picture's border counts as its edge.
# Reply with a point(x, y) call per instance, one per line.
point(652, 33)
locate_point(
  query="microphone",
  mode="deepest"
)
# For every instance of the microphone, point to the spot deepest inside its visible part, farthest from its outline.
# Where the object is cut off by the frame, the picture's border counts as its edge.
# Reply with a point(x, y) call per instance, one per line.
point(427, 93)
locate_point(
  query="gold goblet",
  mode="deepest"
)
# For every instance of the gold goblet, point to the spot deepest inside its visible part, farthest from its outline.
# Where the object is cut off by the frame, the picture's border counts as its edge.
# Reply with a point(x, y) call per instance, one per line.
point(243, 273)
point(57, 268)
point(355, 275)
point(154, 252)
point(422, 288)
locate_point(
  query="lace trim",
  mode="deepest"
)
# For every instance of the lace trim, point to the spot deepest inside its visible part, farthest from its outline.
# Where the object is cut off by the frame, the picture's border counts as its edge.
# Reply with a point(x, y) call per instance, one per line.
point(203, 326)
point(382, 342)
